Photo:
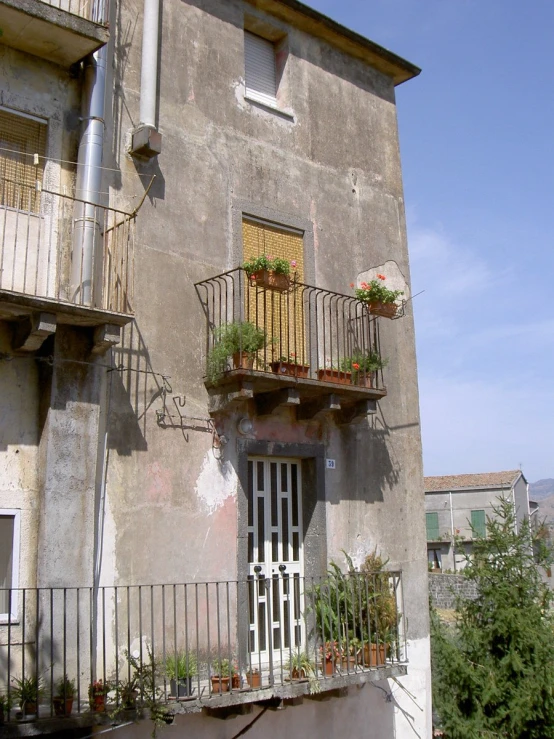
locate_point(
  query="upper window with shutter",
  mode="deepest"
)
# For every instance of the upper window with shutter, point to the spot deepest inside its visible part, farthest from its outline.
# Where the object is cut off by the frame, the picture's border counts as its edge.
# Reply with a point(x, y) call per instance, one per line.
point(260, 69)
point(478, 524)
point(432, 523)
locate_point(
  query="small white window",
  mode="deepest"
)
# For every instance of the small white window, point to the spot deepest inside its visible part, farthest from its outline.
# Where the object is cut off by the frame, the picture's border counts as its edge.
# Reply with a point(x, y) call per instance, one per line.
point(9, 562)
point(260, 71)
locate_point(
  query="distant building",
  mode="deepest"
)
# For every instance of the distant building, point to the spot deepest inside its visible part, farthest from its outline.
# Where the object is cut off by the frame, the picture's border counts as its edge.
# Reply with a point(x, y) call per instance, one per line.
point(457, 507)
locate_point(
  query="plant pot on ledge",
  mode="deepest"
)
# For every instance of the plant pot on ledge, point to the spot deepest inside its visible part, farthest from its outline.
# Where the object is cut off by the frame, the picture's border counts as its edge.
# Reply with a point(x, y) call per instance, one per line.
point(220, 684)
point(254, 679)
point(271, 280)
point(334, 375)
point(243, 360)
point(386, 310)
point(372, 655)
point(62, 706)
point(290, 369)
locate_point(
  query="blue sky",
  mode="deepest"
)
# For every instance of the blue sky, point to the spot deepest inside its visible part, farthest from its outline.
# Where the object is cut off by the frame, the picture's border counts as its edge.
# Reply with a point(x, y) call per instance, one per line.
point(477, 143)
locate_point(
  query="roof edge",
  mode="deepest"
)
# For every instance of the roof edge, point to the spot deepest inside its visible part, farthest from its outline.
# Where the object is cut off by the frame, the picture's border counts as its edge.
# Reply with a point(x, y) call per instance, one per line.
point(318, 24)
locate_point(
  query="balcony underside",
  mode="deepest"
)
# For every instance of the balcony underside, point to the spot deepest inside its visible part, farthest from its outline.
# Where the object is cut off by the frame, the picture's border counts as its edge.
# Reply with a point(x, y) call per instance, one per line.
point(47, 32)
point(310, 397)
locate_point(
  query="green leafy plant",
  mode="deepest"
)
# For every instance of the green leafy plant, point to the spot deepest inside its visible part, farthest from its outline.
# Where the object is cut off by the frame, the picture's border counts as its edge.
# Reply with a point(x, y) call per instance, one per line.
point(27, 690)
point(230, 338)
point(362, 363)
point(292, 358)
point(492, 667)
point(376, 292)
point(5, 704)
point(180, 666)
point(64, 688)
point(98, 688)
point(272, 264)
point(223, 668)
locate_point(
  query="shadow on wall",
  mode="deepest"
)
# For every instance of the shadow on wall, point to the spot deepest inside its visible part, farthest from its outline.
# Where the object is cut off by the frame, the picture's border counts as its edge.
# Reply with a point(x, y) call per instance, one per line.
point(369, 464)
point(134, 387)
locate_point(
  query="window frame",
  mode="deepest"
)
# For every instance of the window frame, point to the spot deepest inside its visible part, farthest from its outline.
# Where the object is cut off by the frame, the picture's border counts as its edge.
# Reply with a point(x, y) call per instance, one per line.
point(14, 513)
point(428, 514)
point(475, 531)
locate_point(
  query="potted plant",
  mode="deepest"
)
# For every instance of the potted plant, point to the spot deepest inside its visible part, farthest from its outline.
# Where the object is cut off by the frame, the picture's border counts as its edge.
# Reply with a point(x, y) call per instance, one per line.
point(223, 672)
point(290, 366)
point(300, 666)
point(240, 340)
point(382, 618)
point(273, 273)
point(331, 373)
point(27, 692)
point(180, 668)
point(64, 692)
point(379, 298)
point(4, 707)
point(97, 692)
point(331, 657)
point(254, 678)
point(363, 366)
point(128, 691)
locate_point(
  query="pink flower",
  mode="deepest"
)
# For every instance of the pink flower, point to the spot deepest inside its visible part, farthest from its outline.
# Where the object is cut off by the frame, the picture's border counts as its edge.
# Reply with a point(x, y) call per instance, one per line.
point(355, 365)
point(351, 284)
point(364, 285)
point(381, 277)
point(293, 263)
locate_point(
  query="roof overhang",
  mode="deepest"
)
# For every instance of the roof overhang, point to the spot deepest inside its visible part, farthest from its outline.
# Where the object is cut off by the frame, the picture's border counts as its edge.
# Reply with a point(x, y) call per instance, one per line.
point(315, 23)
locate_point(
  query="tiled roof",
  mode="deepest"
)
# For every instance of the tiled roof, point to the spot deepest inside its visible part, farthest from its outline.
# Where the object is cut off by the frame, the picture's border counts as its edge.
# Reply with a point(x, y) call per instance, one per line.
point(480, 480)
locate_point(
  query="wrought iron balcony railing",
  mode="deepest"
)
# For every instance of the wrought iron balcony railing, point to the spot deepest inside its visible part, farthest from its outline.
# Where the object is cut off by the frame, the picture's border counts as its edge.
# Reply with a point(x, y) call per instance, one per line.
point(96, 11)
point(41, 229)
point(178, 644)
point(308, 333)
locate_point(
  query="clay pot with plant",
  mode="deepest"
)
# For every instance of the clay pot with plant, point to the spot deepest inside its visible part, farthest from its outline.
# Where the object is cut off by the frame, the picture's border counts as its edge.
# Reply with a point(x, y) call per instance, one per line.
point(27, 693)
point(224, 673)
point(180, 668)
point(240, 341)
point(271, 273)
point(64, 693)
point(380, 300)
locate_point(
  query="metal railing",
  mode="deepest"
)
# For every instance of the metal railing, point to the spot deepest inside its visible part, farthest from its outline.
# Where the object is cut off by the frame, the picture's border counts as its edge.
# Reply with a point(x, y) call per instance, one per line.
point(97, 11)
point(196, 640)
point(37, 240)
point(309, 332)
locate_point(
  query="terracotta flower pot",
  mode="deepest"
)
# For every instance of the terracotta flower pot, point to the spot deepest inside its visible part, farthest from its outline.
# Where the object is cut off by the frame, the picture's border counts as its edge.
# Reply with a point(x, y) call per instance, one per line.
point(271, 280)
point(99, 703)
point(348, 664)
point(386, 310)
point(363, 379)
point(254, 679)
point(29, 708)
point(243, 360)
point(220, 684)
point(235, 682)
point(372, 656)
point(328, 667)
point(62, 706)
point(333, 375)
point(297, 674)
point(290, 369)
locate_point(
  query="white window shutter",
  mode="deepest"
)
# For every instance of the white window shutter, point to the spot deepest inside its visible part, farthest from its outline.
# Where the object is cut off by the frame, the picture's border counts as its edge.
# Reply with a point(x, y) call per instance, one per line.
point(259, 63)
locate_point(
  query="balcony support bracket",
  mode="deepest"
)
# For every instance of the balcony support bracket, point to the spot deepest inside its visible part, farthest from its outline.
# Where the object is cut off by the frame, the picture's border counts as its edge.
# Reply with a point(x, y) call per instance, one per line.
point(266, 403)
point(104, 337)
point(222, 402)
point(30, 333)
point(358, 412)
point(323, 405)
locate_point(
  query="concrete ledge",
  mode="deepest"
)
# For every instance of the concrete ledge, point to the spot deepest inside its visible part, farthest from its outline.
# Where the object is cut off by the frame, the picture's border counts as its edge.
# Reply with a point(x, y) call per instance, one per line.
point(36, 28)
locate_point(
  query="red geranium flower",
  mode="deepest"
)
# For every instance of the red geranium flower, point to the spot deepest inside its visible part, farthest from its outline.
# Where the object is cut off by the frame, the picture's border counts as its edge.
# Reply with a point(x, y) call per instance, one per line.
point(381, 277)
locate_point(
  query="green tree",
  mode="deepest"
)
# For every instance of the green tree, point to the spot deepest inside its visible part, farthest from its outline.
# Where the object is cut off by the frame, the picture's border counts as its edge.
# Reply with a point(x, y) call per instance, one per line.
point(493, 670)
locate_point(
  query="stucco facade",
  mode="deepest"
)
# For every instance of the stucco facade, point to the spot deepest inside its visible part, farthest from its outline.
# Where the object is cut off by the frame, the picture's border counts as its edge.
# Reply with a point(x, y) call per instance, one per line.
point(126, 467)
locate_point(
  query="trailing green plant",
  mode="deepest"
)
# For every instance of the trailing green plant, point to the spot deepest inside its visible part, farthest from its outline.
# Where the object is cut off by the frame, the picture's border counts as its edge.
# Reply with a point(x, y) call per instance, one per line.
point(492, 668)
point(300, 663)
point(362, 363)
point(27, 690)
point(64, 688)
point(180, 666)
point(376, 292)
point(272, 264)
point(230, 338)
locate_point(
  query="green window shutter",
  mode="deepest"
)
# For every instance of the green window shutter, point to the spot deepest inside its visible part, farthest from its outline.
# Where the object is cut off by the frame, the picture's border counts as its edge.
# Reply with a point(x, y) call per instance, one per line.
point(478, 523)
point(432, 521)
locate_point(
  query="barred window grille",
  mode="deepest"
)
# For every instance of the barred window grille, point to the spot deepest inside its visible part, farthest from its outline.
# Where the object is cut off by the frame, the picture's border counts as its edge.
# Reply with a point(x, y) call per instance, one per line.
point(21, 175)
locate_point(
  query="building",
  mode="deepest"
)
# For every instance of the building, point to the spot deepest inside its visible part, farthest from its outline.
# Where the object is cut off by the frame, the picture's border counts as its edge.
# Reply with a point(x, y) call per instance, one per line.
point(153, 500)
point(457, 508)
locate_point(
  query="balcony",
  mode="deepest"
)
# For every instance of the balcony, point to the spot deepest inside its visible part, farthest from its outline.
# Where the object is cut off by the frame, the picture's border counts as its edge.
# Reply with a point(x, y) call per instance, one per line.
point(40, 229)
point(61, 31)
point(302, 346)
point(173, 644)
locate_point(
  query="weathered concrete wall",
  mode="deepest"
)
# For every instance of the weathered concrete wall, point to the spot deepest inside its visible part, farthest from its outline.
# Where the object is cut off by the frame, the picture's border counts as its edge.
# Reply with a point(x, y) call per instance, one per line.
point(444, 589)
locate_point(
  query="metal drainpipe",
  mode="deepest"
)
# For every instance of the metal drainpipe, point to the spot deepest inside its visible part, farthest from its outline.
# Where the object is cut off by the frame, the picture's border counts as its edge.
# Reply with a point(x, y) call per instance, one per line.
point(86, 263)
point(149, 67)
point(146, 140)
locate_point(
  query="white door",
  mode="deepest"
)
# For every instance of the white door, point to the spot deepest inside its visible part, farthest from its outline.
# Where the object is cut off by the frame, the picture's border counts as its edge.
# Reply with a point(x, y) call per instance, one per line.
point(275, 558)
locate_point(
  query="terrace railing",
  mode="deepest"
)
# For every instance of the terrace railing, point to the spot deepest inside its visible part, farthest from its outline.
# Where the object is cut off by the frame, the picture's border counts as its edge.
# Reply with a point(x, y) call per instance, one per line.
point(260, 626)
point(37, 239)
point(96, 11)
point(310, 332)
